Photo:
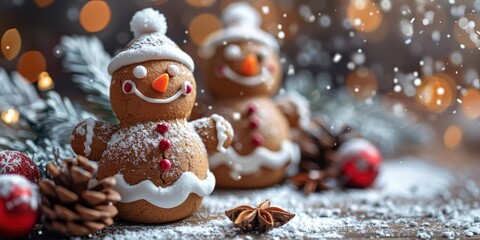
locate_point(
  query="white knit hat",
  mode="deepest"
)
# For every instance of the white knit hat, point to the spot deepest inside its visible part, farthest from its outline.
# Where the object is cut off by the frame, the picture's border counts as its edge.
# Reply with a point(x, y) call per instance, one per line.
point(241, 22)
point(150, 43)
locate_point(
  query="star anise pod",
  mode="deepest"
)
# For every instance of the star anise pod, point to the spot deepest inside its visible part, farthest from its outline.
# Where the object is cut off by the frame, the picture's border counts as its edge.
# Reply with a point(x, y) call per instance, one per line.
point(262, 218)
point(312, 181)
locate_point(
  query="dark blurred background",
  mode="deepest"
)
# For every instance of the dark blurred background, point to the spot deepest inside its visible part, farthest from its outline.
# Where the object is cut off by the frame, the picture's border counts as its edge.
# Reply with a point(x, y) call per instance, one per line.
point(418, 57)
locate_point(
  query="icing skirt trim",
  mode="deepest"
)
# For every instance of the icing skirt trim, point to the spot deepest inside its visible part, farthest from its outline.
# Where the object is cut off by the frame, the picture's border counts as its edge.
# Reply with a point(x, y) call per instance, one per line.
point(261, 157)
point(168, 197)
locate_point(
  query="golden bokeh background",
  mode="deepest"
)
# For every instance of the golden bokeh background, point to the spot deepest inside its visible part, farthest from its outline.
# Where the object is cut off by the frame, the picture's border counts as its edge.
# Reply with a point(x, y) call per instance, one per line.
point(422, 55)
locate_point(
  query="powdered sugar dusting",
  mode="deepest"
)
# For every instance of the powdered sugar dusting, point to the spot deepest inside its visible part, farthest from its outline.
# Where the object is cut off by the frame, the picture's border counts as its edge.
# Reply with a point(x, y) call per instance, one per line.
point(139, 139)
point(136, 143)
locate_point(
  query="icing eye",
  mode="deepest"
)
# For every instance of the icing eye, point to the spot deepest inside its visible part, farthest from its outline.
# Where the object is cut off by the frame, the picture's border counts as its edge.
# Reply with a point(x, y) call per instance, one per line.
point(173, 70)
point(232, 52)
point(140, 72)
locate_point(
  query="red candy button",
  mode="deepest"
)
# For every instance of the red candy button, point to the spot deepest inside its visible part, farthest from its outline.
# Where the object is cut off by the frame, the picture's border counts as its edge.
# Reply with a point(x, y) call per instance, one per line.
point(254, 123)
point(164, 144)
point(162, 127)
point(251, 108)
point(165, 164)
point(257, 139)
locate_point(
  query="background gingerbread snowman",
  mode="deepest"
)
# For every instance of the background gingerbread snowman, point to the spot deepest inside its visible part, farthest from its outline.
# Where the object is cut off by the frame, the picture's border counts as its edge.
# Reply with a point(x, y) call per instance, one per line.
point(243, 72)
point(158, 159)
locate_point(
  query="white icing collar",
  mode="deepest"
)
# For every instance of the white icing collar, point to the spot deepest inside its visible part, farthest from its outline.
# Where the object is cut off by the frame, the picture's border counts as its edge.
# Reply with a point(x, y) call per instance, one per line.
point(168, 197)
point(260, 157)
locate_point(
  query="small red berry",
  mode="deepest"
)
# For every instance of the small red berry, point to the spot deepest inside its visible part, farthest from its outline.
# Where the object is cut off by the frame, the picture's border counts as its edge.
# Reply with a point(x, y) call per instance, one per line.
point(257, 139)
point(252, 108)
point(162, 127)
point(164, 144)
point(165, 164)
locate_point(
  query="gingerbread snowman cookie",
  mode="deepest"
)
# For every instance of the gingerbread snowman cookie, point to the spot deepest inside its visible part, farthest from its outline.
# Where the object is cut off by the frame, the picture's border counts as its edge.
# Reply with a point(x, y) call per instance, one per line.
point(243, 73)
point(158, 159)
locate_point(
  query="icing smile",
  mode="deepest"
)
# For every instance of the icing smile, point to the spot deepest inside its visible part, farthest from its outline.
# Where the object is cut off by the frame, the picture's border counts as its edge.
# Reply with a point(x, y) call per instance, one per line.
point(263, 77)
point(129, 87)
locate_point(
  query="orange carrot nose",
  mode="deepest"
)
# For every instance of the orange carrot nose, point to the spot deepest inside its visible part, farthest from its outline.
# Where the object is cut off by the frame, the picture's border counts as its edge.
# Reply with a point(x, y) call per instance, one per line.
point(161, 83)
point(250, 65)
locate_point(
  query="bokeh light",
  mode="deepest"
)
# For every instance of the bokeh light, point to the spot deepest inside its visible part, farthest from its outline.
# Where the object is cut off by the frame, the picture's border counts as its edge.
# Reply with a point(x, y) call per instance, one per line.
point(452, 136)
point(95, 16)
point(45, 82)
point(465, 33)
point(201, 26)
point(11, 43)
point(362, 84)
point(43, 3)
point(31, 64)
point(200, 3)
point(364, 15)
point(436, 93)
point(471, 103)
point(11, 116)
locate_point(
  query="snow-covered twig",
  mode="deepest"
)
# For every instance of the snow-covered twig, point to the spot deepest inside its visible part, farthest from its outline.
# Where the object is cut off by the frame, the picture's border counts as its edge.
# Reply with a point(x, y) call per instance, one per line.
point(87, 60)
point(336, 107)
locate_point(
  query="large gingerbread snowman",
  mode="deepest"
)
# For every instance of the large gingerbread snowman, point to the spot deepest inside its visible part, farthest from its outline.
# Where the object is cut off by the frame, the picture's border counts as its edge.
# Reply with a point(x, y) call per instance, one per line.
point(243, 73)
point(158, 159)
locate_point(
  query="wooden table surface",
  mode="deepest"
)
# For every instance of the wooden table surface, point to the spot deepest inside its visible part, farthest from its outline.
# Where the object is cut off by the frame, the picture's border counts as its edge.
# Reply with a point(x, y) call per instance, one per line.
point(445, 201)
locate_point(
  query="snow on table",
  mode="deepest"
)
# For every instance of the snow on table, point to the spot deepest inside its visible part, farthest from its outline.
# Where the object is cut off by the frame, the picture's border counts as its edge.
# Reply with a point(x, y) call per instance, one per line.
point(412, 198)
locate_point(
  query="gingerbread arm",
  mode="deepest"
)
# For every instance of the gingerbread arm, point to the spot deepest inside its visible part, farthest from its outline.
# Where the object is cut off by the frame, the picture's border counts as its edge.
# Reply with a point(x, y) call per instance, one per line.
point(215, 131)
point(89, 138)
point(296, 109)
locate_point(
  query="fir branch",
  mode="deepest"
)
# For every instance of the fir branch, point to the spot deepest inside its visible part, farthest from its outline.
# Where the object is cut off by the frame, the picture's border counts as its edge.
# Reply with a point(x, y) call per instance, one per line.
point(16, 92)
point(43, 151)
point(87, 60)
point(55, 118)
point(45, 125)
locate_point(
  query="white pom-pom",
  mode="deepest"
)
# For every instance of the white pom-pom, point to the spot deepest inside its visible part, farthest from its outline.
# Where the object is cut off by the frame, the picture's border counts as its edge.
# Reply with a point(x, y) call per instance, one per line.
point(240, 13)
point(148, 21)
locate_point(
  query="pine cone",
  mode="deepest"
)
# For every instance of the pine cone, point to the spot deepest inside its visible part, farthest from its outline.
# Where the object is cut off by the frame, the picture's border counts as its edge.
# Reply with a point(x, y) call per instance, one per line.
point(318, 145)
point(72, 207)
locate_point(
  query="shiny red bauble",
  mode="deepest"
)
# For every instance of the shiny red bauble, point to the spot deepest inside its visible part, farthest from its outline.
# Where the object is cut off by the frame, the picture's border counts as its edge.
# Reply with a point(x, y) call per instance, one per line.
point(19, 203)
point(13, 162)
point(359, 163)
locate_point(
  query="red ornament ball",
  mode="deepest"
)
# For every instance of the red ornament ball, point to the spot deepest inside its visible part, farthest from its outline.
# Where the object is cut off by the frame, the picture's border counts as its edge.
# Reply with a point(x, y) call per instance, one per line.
point(19, 202)
point(13, 162)
point(359, 163)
